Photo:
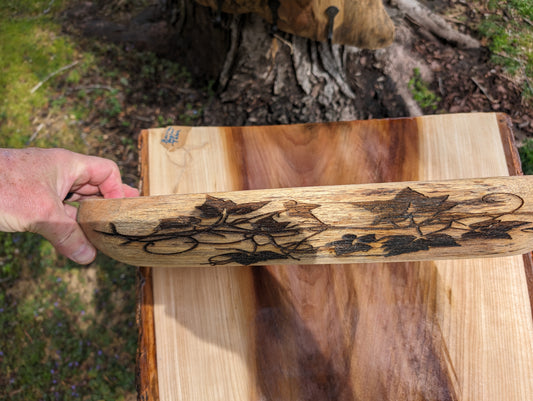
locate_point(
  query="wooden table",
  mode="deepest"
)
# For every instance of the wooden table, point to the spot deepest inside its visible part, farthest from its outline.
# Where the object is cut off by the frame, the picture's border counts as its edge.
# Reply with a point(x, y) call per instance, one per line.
point(446, 330)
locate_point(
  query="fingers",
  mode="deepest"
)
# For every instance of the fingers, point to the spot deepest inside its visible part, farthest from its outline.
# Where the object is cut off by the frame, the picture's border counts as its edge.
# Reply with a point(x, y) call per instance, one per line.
point(64, 233)
point(103, 174)
point(34, 183)
point(130, 192)
point(89, 191)
point(97, 176)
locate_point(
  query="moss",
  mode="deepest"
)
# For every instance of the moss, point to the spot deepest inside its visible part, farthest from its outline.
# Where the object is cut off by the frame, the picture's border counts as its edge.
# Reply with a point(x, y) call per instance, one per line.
point(30, 50)
point(421, 92)
point(511, 39)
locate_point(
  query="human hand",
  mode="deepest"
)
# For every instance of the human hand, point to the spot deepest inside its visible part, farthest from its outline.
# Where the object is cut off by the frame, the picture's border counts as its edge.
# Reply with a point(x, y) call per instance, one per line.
point(34, 184)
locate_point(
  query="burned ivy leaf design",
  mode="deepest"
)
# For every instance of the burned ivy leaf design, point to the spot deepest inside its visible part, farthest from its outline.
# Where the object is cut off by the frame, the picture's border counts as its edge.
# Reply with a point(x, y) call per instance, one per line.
point(492, 229)
point(350, 243)
point(407, 205)
point(401, 244)
point(269, 225)
point(215, 207)
point(299, 209)
point(245, 258)
point(441, 240)
point(245, 208)
point(398, 244)
point(177, 223)
point(269, 235)
point(367, 238)
point(290, 231)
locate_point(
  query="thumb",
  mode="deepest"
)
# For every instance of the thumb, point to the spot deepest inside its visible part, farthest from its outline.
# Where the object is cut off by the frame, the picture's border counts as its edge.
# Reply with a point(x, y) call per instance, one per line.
point(66, 236)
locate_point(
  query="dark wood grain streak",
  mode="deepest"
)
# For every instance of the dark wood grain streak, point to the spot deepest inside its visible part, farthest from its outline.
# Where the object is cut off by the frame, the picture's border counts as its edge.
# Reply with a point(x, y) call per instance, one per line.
point(146, 382)
point(146, 368)
point(294, 363)
point(312, 151)
point(376, 335)
point(401, 340)
point(319, 328)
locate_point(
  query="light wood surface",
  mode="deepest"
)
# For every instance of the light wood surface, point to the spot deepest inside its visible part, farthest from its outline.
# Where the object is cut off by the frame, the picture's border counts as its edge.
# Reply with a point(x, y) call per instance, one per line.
point(434, 330)
point(386, 222)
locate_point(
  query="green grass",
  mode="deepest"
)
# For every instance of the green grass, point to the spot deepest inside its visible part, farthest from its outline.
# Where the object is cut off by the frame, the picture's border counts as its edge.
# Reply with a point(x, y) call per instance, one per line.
point(526, 156)
point(509, 29)
point(31, 48)
point(67, 332)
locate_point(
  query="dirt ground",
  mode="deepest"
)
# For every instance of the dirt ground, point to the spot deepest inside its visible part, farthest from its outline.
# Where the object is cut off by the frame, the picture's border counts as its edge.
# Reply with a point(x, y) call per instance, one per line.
point(464, 80)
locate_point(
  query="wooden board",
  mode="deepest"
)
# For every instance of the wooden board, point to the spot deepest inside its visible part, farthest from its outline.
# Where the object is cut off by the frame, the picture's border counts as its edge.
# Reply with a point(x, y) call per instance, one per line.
point(333, 224)
point(446, 330)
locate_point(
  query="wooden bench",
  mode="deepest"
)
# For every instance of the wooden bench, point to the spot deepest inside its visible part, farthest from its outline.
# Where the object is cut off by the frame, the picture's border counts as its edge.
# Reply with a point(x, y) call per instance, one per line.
point(442, 330)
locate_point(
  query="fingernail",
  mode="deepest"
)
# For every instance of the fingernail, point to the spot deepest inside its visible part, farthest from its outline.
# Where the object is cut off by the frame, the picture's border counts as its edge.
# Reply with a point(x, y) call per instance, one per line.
point(84, 255)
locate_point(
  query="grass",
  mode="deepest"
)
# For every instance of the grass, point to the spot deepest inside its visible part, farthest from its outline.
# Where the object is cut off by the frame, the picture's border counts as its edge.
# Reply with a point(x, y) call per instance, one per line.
point(510, 30)
point(526, 156)
point(508, 26)
point(67, 332)
point(30, 49)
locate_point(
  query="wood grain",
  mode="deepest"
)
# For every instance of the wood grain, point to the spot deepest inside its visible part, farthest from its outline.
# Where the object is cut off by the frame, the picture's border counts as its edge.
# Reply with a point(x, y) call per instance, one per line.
point(146, 381)
point(446, 330)
point(361, 23)
point(400, 221)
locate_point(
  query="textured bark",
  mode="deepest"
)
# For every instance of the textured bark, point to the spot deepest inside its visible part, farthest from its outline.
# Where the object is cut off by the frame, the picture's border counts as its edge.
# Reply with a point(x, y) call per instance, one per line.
point(267, 76)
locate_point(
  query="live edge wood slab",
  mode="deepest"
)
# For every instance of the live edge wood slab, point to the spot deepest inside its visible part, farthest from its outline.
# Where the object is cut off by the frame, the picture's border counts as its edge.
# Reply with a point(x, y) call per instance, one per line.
point(426, 330)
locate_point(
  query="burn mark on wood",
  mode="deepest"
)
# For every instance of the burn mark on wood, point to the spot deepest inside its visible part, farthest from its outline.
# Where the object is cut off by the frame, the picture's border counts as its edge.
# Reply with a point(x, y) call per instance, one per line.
point(250, 236)
point(408, 222)
point(350, 243)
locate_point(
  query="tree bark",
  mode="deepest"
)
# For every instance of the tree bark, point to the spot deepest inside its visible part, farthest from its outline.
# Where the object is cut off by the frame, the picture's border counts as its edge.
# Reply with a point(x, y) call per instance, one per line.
point(265, 76)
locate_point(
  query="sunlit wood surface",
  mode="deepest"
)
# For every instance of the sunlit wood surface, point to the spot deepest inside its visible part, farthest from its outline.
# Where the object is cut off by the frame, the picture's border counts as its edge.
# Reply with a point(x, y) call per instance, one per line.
point(444, 330)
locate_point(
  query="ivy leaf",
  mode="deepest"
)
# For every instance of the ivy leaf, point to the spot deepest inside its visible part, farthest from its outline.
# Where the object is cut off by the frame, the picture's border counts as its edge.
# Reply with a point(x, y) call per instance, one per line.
point(492, 229)
point(367, 238)
point(245, 258)
point(215, 207)
point(441, 240)
point(177, 223)
point(350, 243)
point(245, 208)
point(269, 225)
point(406, 205)
point(298, 209)
point(401, 244)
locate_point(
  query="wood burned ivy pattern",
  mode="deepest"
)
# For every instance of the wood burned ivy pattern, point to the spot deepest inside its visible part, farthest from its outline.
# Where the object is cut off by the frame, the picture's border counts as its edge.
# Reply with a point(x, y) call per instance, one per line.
point(435, 222)
point(251, 233)
point(240, 229)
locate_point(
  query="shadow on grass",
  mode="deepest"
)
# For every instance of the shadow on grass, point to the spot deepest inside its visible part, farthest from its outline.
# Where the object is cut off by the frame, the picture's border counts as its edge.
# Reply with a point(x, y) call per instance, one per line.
point(68, 332)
